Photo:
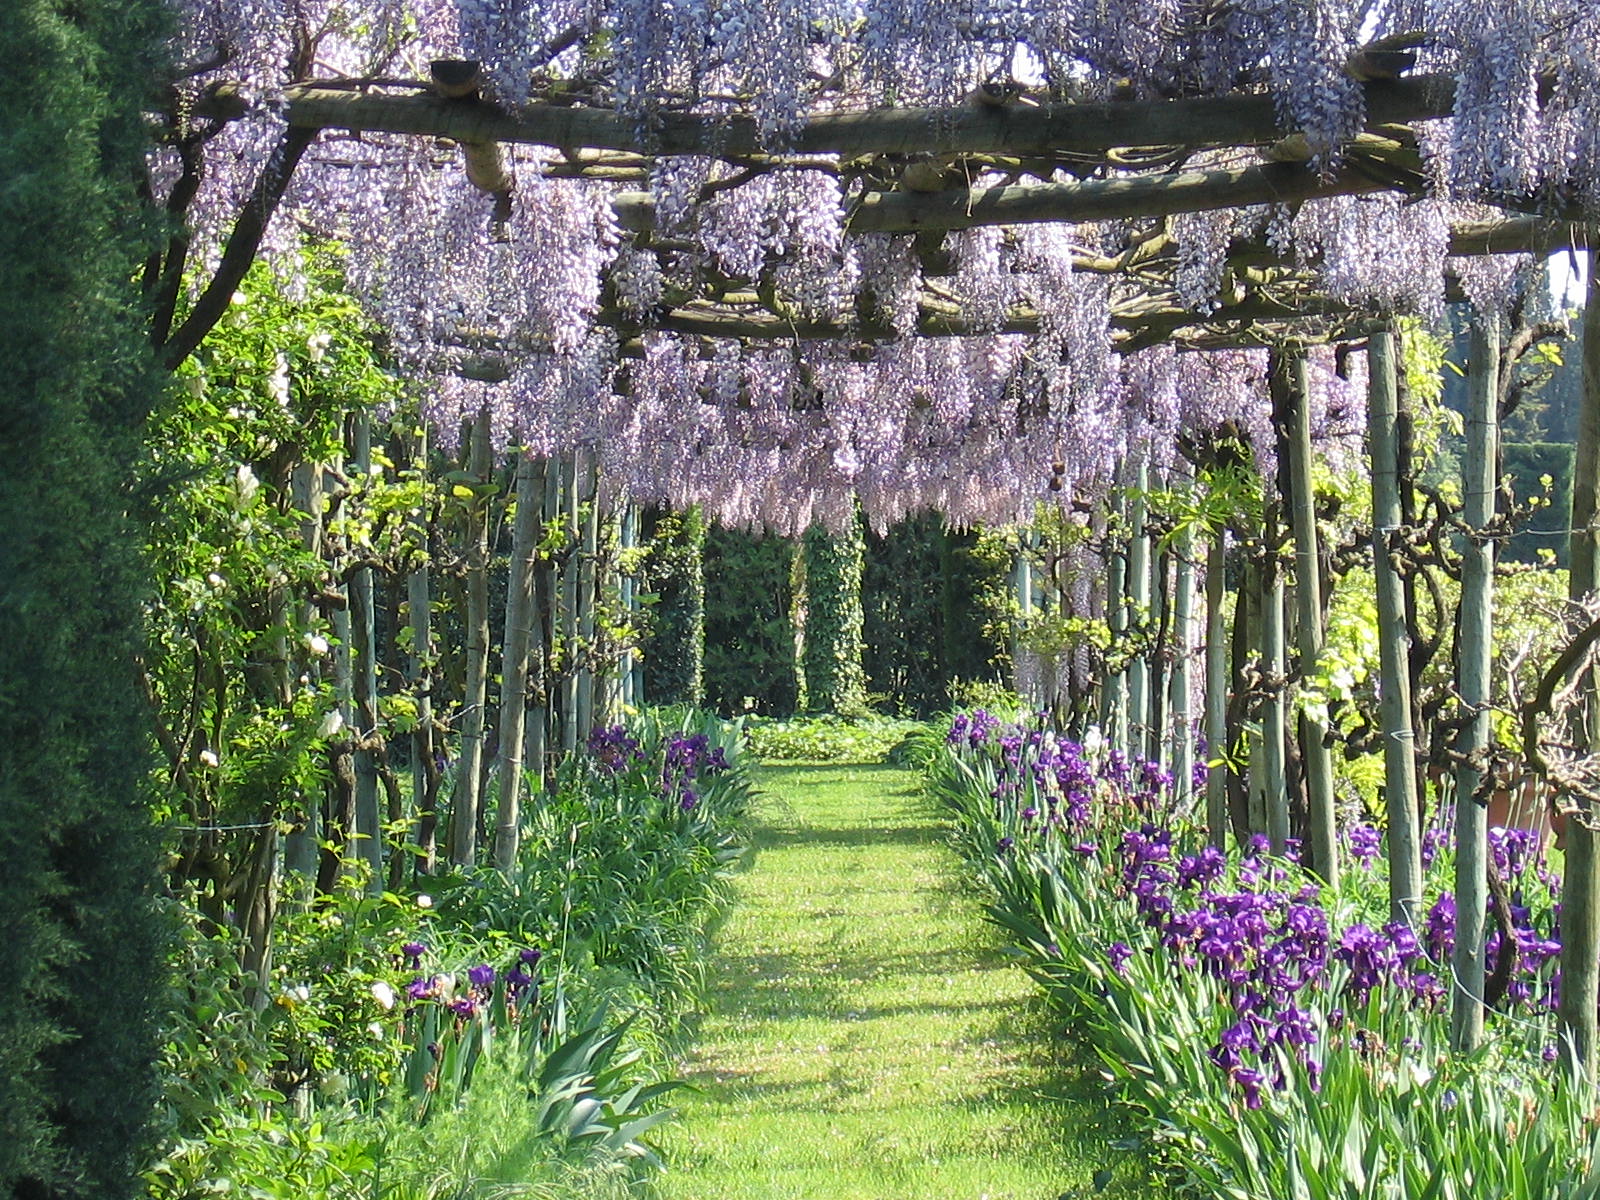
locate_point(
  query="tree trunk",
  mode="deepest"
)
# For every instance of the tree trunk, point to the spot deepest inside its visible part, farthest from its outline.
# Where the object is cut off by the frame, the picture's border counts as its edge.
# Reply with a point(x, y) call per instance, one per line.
point(1580, 893)
point(465, 813)
point(1292, 402)
point(1394, 636)
point(520, 619)
point(1473, 651)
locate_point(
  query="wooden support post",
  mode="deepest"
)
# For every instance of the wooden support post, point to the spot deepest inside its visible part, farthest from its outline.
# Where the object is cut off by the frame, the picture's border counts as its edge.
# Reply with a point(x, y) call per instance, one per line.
point(1473, 658)
point(369, 822)
point(1180, 733)
point(1138, 718)
point(1114, 688)
point(518, 640)
point(1291, 399)
point(466, 812)
point(588, 597)
point(1580, 893)
point(1274, 709)
point(1394, 634)
point(1217, 673)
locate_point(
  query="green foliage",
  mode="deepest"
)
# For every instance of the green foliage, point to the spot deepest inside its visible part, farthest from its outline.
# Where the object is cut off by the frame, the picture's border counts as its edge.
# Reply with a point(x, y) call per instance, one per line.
point(936, 610)
point(674, 648)
point(827, 738)
point(749, 664)
point(242, 645)
point(79, 971)
point(830, 662)
point(1540, 472)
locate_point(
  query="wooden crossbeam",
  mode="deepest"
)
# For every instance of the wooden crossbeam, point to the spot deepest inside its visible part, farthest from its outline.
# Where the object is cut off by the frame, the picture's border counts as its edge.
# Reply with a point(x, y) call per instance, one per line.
point(1059, 128)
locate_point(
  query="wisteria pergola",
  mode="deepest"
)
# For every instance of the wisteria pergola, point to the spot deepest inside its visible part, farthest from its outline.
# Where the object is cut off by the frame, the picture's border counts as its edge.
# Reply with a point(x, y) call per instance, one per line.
point(782, 258)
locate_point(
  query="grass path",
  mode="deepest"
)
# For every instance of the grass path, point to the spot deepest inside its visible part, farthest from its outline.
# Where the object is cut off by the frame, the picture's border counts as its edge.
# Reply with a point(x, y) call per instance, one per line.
point(867, 1040)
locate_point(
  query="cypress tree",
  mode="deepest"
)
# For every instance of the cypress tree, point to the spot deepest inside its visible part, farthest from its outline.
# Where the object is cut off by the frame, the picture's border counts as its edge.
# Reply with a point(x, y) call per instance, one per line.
point(81, 966)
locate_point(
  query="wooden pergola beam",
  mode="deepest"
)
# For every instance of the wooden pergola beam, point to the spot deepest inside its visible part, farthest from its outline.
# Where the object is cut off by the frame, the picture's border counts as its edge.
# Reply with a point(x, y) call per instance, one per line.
point(1051, 129)
point(1132, 327)
point(1089, 200)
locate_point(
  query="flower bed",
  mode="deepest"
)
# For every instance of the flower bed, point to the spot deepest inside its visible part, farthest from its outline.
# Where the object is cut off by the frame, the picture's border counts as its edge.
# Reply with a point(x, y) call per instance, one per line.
point(502, 1034)
point(1282, 1040)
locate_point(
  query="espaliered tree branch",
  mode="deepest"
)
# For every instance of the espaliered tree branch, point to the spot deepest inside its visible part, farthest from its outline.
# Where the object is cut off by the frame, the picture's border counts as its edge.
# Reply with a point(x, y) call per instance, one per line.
point(1542, 705)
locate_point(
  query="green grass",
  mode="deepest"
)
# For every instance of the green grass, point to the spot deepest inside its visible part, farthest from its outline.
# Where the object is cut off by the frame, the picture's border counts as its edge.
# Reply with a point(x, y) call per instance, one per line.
point(868, 1040)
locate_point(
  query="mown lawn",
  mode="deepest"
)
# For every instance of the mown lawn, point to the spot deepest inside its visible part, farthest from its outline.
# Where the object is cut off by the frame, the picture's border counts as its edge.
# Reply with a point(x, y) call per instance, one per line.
point(868, 1039)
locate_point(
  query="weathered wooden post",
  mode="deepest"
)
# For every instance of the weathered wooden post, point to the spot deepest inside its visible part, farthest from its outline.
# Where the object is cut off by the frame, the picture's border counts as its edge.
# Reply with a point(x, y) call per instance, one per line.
point(1394, 635)
point(1473, 656)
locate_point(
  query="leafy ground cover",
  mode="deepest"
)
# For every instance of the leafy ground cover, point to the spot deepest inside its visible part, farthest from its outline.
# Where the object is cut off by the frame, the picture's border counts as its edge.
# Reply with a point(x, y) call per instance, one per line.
point(867, 1039)
point(1282, 1039)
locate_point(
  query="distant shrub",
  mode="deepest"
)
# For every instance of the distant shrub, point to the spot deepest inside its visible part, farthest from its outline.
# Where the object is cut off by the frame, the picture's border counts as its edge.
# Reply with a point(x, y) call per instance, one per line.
point(827, 738)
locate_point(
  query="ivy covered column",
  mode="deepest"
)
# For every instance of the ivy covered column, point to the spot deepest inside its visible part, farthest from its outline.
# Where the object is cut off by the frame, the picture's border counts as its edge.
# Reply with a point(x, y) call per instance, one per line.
point(830, 662)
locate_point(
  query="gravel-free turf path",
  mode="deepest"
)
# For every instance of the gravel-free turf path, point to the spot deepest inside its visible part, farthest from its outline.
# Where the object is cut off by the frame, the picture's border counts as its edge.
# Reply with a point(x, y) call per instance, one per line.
point(867, 1039)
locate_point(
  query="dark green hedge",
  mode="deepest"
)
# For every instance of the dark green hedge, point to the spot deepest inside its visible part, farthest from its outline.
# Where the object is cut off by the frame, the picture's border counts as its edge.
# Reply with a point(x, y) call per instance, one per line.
point(674, 648)
point(749, 664)
point(81, 963)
